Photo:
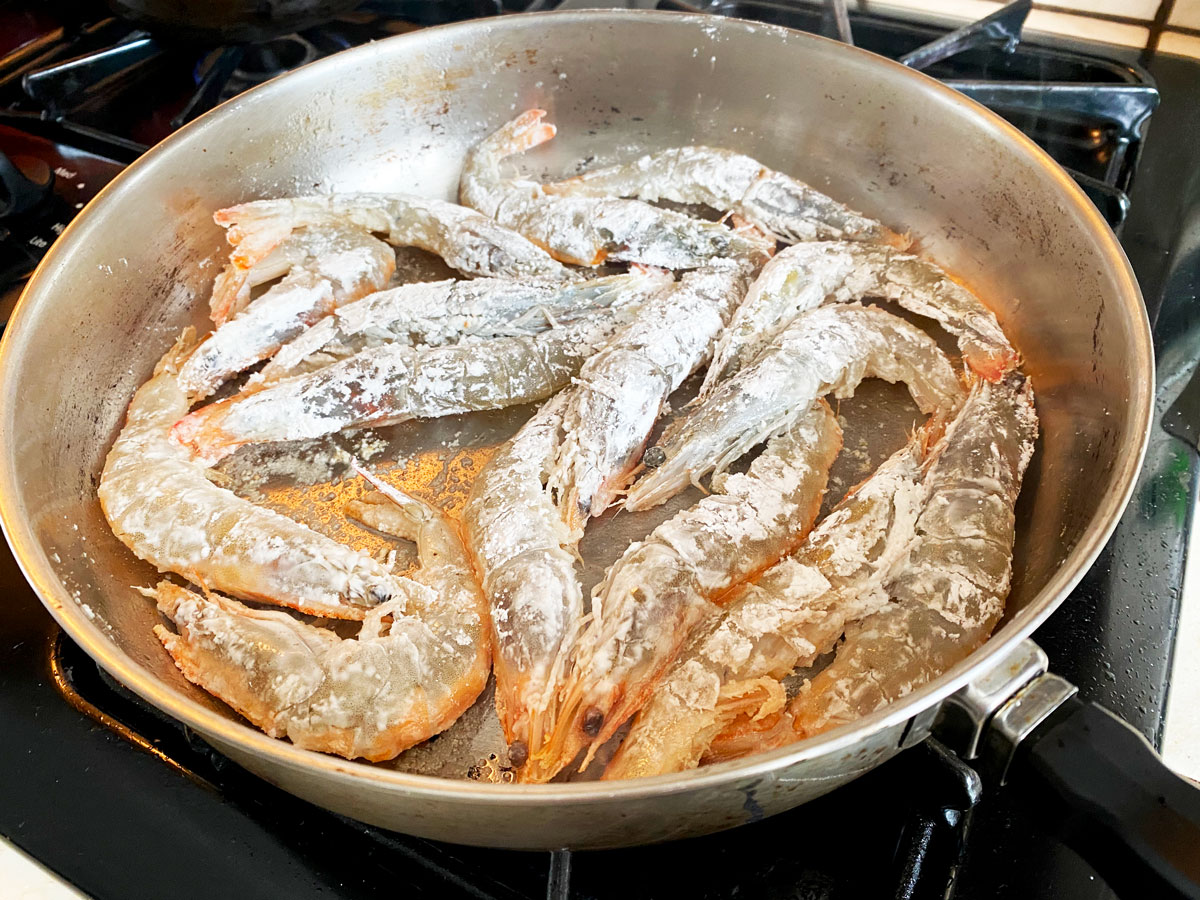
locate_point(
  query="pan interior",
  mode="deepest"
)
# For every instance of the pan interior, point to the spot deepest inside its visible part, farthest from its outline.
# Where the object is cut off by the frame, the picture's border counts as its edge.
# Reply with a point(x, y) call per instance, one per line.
point(136, 267)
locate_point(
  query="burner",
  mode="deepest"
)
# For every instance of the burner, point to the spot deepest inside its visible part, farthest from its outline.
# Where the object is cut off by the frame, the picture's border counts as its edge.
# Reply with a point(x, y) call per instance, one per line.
point(268, 59)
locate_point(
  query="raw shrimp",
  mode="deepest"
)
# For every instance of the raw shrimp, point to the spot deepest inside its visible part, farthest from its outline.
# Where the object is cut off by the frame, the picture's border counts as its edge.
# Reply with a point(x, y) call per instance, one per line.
point(587, 230)
point(624, 387)
point(467, 241)
point(416, 665)
point(826, 350)
point(525, 556)
point(794, 613)
point(394, 383)
point(160, 503)
point(730, 182)
point(656, 594)
point(441, 312)
point(806, 276)
point(330, 266)
point(948, 592)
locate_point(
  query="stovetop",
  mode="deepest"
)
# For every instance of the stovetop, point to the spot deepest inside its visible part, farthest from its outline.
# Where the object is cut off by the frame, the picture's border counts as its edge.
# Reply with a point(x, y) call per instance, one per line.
point(124, 803)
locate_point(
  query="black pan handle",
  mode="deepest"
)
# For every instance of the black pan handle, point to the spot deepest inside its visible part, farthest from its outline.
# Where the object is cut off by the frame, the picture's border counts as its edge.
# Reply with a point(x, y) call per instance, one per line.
point(1109, 796)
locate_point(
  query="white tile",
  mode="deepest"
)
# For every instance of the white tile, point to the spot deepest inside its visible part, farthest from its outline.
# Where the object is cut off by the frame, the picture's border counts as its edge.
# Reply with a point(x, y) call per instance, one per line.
point(1179, 44)
point(24, 879)
point(1185, 13)
point(1086, 28)
point(1181, 728)
point(1129, 9)
point(966, 10)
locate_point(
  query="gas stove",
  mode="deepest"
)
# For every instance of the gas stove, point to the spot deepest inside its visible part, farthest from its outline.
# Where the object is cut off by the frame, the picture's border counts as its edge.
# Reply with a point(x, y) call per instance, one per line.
point(125, 803)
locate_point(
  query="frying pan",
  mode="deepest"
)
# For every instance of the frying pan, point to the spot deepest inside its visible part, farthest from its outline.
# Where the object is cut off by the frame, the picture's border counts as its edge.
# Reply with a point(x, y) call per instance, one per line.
point(135, 268)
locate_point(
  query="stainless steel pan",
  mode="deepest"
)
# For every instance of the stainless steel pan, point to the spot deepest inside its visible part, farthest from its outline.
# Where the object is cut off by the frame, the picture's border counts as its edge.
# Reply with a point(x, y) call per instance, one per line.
point(136, 266)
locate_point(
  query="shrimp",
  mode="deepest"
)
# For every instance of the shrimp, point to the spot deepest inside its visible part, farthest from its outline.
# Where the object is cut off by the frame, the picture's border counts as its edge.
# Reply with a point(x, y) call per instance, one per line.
point(788, 618)
point(467, 241)
point(662, 588)
point(826, 350)
point(394, 383)
point(806, 276)
point(525, 557)
point(778, 204)
point(160, 503)
point(329, 267)
point(948, 593)
point(625, 385)
point(416, 665)
point(586, 230)
point(441, 312)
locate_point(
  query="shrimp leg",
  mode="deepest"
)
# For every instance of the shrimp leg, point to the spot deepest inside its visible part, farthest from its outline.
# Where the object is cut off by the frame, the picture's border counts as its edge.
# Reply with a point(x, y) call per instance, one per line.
point(419, 661)
point(662, 588)
point(731, 182)
point(334, 266)
point(587, 230)
point(394, 383)
point(624, 386)
point(467, 241)
point(806, 276)
point(434, 313)
point(160, 503)
point(826, 350)
point(525, 556)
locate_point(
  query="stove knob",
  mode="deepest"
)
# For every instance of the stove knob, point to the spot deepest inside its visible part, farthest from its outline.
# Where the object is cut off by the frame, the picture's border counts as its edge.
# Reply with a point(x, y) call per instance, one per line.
point(25, 181)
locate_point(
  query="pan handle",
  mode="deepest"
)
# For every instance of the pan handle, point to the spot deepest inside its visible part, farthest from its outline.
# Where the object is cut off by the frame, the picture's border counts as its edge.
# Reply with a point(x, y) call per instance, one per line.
point(1097, 782)
point(1109, 797)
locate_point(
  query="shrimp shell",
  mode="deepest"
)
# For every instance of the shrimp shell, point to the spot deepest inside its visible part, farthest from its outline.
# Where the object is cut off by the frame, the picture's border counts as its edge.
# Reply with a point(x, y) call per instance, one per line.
point(586, 230)
point(732, 182)
point(467, 241)
point(394, 383)
point(441, 312)
point(948, 592)
point(826, 350)
point(624, 387)
point(795, 612)
point(160, 503)
point(336, 265)
point(662, 588)
point(806, 276)
point(419, 661)
point(525, 556)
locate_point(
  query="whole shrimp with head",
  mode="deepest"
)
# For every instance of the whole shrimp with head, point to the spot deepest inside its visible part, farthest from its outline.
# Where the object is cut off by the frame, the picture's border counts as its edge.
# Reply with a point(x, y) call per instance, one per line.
point(805, 276)
point(467, 241)
point(525, 556)
point(586, 230)
point(662, 588)
point(622, 389)
point(826, 350)
point(160, 502)
point(735, 184)
point(395, 382)
point(416, 665)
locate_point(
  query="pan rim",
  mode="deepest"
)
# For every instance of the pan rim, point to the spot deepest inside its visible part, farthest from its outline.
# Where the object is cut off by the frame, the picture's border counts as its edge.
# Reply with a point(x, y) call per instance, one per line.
point(38, 571)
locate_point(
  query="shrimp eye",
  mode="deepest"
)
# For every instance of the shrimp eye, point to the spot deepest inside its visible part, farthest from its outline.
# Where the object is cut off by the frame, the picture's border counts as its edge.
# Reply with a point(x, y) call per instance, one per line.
point(654, 457)
point(380, 595)
point(518, 753)
point(592, 720)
